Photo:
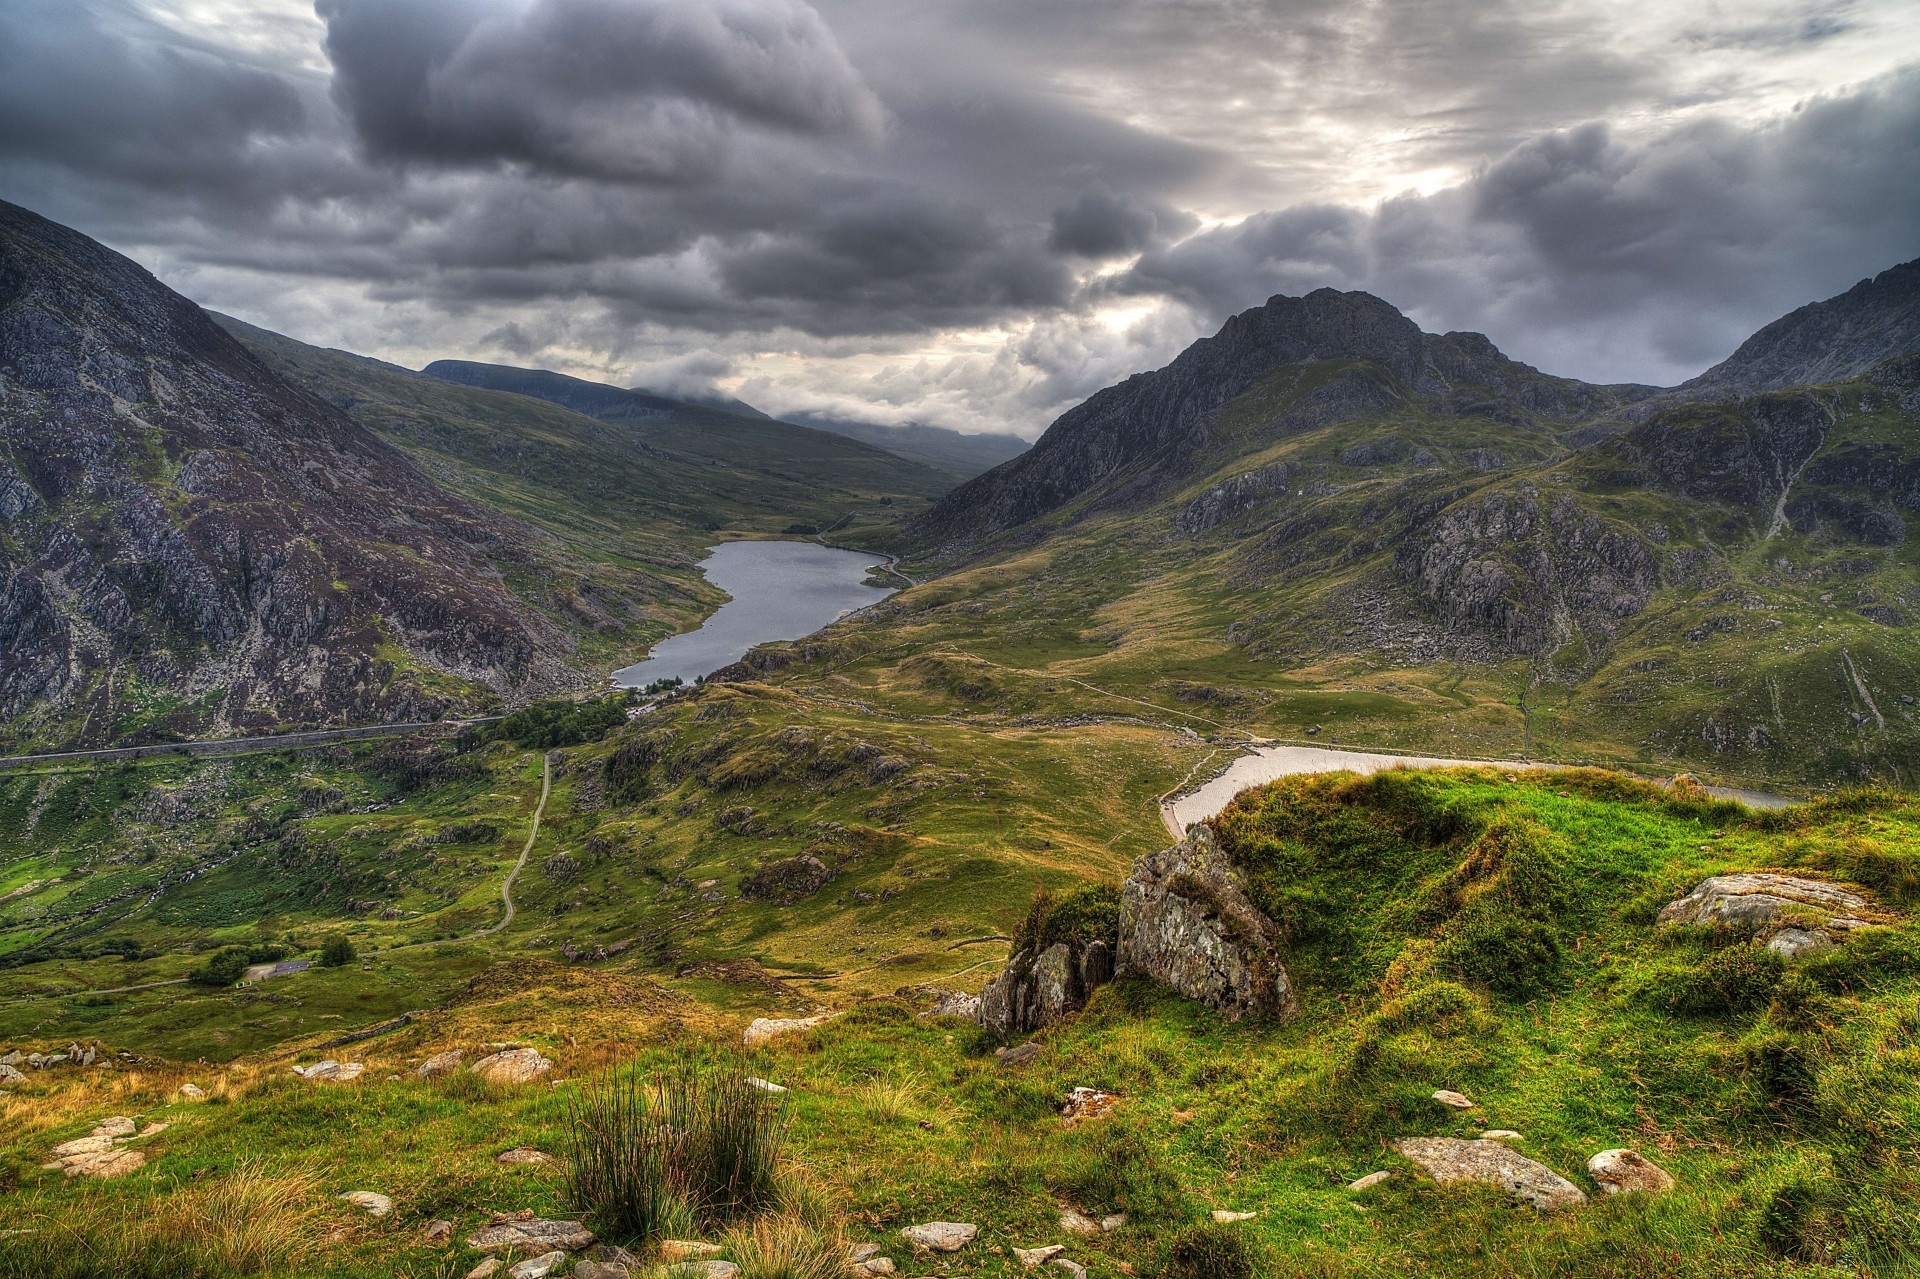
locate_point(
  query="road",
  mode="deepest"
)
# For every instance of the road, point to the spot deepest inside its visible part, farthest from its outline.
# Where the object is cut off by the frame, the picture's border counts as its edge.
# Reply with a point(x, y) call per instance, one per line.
point(215, 747)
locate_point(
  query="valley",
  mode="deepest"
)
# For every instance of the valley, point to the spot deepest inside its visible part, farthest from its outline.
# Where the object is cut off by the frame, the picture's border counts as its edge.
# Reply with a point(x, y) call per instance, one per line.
point(1322, 534)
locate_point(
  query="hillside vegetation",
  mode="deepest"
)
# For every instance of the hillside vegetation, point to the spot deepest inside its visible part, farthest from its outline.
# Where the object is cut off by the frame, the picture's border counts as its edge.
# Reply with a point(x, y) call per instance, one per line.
point(1468, 930)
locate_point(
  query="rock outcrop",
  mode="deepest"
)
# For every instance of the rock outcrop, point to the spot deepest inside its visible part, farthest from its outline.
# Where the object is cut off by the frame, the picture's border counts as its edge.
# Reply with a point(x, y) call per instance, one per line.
point(1493, 1164)
point(1759, 898)
point(512, 1066)
point(176, 515)
point(1187, 922)
point(1040, 986)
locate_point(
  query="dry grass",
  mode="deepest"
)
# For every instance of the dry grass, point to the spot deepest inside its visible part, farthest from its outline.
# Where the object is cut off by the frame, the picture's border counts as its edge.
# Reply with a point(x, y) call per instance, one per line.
point(248, 1222)
point(786, 1247)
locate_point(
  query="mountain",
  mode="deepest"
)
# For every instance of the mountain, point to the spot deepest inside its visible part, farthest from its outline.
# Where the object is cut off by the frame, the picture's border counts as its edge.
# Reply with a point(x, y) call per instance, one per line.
point(1444, 544)
point(192, 542)
point(1132, 439)
point(764, 444)
point(951, 451)
point(1828, 341)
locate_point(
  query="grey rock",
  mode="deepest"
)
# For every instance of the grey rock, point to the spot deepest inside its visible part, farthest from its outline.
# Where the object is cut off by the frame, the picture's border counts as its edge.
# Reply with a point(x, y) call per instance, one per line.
point(514, 1066)
point(600, 1270)
point(1757, 899)
point(522, 1155)
point(540, 1267)
point(1623, 1171)
point(10, 1075)
point(530, 1234)
point(486, 1269)
point(763, 1029)
point(1035, 990)
point(1187, 922)
point(370, 1201)
point(1491, 1163)
point(1017, 1056)
point(1791, 943)
point(941, 1236)
point(330, 1071)
point(440, 1064)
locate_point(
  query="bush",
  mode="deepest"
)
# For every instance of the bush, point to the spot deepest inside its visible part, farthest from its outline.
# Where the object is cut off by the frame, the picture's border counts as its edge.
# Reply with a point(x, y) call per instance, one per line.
point(1208, 1251)
point(546, 726)
point(657, 1156)
point(337, 953)
point(223, 969)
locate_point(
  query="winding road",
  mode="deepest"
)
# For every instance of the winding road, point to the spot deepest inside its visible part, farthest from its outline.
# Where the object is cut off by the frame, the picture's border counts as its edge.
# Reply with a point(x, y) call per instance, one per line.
point(506, 885)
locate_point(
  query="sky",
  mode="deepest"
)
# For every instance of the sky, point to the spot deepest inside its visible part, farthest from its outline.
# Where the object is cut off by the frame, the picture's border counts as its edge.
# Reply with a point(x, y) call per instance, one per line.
point(970, 213)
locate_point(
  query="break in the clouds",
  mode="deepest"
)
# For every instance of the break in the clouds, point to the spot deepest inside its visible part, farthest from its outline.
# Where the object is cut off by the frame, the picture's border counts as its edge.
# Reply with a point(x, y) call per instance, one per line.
point(970, 212)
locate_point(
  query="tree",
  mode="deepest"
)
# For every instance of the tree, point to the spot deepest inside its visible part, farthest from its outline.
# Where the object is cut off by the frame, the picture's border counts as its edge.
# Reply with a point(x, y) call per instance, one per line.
point(337, 952)
point(222, 969)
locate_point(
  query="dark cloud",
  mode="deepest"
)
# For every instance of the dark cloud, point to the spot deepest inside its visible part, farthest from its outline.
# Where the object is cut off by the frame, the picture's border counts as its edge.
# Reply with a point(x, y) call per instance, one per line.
point(606, 88)
point(1101, 224)
point(1600, 258)
point(100, 87)
point(963, 211)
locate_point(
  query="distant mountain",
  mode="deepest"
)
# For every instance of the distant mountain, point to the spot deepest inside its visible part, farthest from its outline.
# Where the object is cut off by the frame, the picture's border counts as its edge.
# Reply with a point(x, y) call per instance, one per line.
point(1828, 341)
point(754, 440)
point(953, 451)
point(192, 543)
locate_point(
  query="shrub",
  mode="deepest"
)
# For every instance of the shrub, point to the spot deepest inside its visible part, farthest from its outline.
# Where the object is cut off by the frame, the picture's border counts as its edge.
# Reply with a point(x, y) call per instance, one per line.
point(656, 1155)
point(337, 952)
point(223, 969)
point(546, 726)
point(1208, 1251)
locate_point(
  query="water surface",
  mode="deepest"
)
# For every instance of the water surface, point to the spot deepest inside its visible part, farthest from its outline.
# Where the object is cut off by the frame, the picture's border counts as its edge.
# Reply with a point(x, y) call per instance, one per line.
point(780, 590)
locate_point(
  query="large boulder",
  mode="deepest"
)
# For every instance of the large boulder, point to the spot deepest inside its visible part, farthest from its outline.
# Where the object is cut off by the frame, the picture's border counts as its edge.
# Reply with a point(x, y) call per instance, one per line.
point(1040, 986)
point(1494, 1164)
point(1187, 921)
point(513, 1066)
point(1796, 915)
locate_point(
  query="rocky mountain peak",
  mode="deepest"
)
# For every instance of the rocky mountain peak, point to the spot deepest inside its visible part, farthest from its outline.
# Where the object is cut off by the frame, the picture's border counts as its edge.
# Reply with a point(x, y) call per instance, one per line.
point(1842, 337)
point(1147, 429)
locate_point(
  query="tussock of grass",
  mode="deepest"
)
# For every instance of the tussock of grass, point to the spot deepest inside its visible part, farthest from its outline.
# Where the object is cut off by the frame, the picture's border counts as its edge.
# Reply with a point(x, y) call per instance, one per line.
point(656, 1154)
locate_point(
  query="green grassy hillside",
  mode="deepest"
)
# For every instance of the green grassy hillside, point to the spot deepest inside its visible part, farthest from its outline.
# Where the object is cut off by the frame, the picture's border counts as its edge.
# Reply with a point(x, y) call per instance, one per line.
point(1779, 1095)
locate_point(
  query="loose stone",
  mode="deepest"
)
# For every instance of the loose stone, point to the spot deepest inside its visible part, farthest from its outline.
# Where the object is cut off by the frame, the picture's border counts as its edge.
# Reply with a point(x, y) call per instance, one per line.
point(941, 1236)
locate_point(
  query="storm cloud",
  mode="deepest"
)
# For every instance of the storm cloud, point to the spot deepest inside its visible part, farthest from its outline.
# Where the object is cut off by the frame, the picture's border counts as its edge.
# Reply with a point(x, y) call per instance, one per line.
point(972, 212)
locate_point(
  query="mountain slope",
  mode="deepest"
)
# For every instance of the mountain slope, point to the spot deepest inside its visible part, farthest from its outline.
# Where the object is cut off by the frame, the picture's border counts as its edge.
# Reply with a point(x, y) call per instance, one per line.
point(1322, 518)
point(775, 449)
point(189, 541)
point(1842, 337)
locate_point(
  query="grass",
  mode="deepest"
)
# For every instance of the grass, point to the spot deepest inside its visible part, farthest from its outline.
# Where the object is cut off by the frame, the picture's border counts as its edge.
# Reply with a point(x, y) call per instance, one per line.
point(1782, 1100)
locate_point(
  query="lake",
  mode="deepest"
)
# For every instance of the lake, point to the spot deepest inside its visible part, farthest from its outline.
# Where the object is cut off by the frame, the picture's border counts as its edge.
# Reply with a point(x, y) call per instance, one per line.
point(780, 590)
